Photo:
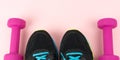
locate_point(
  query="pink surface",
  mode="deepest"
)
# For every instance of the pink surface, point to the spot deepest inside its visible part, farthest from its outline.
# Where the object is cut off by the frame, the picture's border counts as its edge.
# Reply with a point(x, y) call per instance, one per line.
point(58, 16)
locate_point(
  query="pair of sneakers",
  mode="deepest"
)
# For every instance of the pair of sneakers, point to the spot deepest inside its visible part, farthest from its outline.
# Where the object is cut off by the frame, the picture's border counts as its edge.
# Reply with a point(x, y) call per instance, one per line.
point(74, 46)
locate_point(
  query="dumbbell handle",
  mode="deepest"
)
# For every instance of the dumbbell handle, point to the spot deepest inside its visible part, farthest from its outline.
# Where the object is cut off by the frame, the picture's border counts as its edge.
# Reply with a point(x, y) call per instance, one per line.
point(15, 38)
point(108, 42)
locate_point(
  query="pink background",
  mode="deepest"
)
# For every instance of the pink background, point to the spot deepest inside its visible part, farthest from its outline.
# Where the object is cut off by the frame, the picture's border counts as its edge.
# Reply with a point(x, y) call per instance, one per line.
point(58, 16)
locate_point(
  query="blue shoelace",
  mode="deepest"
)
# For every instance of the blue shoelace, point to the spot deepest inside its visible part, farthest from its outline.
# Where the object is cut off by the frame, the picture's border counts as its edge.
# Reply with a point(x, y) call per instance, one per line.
point(71, 56)
point(41, 56)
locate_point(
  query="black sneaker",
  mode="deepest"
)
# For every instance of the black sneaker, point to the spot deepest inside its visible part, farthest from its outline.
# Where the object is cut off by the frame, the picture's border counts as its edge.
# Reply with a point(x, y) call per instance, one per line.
point(41, 47)
point(74, 46)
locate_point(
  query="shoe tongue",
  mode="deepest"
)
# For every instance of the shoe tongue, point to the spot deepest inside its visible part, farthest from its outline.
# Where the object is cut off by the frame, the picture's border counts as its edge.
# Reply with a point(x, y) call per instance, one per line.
point(42, 54)
point(75, 54)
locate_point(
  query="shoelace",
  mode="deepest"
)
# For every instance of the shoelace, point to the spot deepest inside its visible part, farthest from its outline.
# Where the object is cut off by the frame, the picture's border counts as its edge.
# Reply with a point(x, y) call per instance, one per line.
point(71, 56)
point(41, 55)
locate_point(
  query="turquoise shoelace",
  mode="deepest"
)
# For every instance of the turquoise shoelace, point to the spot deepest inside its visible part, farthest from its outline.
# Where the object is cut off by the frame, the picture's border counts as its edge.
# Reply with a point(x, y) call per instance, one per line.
point(41, 55)
point(71, 56)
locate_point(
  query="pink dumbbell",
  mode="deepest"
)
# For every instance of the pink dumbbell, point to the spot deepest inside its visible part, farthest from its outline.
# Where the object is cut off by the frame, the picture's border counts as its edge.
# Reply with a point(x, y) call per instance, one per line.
point(107, 24)
point(16, 24)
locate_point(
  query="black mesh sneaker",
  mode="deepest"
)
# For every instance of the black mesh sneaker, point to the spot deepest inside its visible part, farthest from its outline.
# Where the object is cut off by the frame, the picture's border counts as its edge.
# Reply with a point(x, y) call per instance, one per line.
point(41, 47)
point(74, 46)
